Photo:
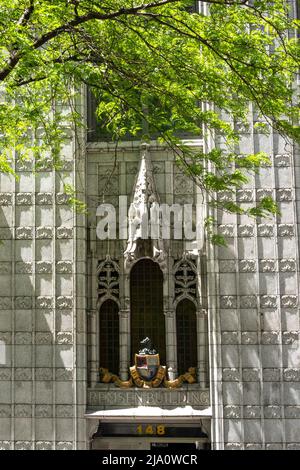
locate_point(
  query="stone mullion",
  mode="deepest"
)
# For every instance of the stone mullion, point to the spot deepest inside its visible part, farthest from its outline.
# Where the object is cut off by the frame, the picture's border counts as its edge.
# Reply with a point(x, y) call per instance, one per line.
point(33, 320)
point(201, 347)
point(55, 177)
point(13, 305)
point(124, 315)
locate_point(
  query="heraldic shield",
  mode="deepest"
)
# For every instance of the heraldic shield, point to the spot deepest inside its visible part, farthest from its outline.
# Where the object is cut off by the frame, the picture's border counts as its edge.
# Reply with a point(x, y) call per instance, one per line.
point(147, 365)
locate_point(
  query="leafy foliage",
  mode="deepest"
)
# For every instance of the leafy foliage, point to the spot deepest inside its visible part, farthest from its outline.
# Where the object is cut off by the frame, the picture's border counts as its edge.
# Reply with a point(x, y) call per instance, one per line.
point(154, 68)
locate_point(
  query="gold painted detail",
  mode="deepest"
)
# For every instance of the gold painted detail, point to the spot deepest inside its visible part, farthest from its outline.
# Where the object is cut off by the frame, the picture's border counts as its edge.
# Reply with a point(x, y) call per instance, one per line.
point(159, 379)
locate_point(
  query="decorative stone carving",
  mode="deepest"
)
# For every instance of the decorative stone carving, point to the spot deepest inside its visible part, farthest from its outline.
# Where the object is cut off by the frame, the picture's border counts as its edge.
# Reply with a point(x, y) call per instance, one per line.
point(43, 445)
point(43, 267)
point(43, 302)
point(251, 375)
point(23, 411)
point(5, 445)
point(290, 301)
point(231, 375)
point(63, 445)
point(225, 196)
point(131, 168)
point(63, 374)
point(43, 373)
point(232, 412)
point(24, 233)
point(64, 411)
point(233, 446)
point(286, 230)
point(249, 337)
point(44, 198)
point(252, 411)
point(5, 303)
point(284, 195)
point(23, 267)
point(247, 266)
point(244, 195)
point(23, 302)
point(43, 338)
point(282, 160)
point(262, 193)
point(291, 375)
point(5, 199)
point(226, 230)
point(228, 301)
point(108, 180)
point(293, 446)
point(23, 374)
point(265, 230)
point(5, 411)
point(292, 412)
point(267, 265)
point(268, 301)
point(230, 337)
point(182, 184)
point(5, 373)
point(227, 266)
point(5, 233)
point(24, 199)
point(274, 446)
point(108, 279)
point(248, 301)
point(62, 198)
point(64, 267)
point(271, 375)
point(5, 336)
point(64, 232)
point(270, 337)
point(44, 232)
point(23, 445)
point(272, 412)
point(24, 165)
point(290, 337)
point(43, 411)
point(67, 165)
point(287, 265)
point(64, 337)
point(23, 338)
point(185, 275)
point(246, 230)
point(253, 446)
point(64, 301)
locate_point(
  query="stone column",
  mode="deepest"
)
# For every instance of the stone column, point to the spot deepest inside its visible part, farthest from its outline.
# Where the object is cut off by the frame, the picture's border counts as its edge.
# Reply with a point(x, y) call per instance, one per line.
point(171, 350)
point(94, 372)
point(201, 347)
point(124, 332)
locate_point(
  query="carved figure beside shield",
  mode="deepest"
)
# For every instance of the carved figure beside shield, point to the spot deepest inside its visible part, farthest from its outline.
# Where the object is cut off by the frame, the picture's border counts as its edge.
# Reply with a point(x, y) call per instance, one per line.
point(147, 361)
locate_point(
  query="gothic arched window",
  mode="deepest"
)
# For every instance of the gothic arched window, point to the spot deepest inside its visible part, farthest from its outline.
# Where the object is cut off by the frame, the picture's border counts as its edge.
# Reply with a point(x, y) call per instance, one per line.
point(186, 328)
point(109, 336)
point(147, 317)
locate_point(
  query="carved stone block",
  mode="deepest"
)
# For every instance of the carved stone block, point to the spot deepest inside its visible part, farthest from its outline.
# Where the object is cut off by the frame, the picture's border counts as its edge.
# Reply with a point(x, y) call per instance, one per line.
point(267, 265)
point(227, 266)
point(270, 337)
point(24, 199)
point(43, 411)
point(64, 411)
point(23, 338)
point(290, 337)
point(251, 375)
point(23, 267)
point(228, 301)
point(226, 230)
point(24, 233)
point(272, 412)
point(63, 302)
point(292, 412)
point(44, 199)
point(64, 232)
point(63, 374)
point(43, 445)
point(291, 375)
point(5, 233)
point(249, 337)
point(286, 230)
point(282, 160)
point(43, 338)
point(44, 232)
point(64, 337)
point(64, 267)
point(231, 374)
point(271, 375)
point(225, 196)
point(244, 195)
point(248, 301)
point(265, 230)
point(5, 445)
point(5, 373)
point(252, 412)
point(290, 301)
point(230, 337)
point(23, 411)
point(262, 193)
point(23, 445)
point(247, 266)
point(284, 195)
point(23, 374)
point(6, 199)
point(246, 230)
point(43, 373)
point(5, 411)
point(268, 301)
point(43, 302)
point(64, 445)
point(23, 303)
point(232, 412)
point(5, 303)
